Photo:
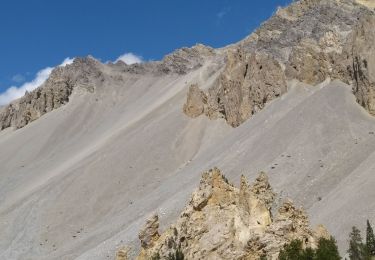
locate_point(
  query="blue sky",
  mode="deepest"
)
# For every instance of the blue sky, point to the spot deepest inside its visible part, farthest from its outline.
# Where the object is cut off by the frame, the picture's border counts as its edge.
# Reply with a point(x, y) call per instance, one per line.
point(37, 34)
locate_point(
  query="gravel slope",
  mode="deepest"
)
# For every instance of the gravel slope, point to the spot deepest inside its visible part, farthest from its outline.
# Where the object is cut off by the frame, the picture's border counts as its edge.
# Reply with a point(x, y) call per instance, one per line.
point(80, 181)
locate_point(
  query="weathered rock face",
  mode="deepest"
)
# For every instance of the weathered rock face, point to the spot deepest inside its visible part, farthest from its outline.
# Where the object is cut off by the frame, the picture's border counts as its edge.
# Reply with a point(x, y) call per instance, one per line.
point(247, 83)
point(149, 234)
point(122, 254)
point(55, 92)
point(310, 40)
point(223, 222)
point(363, 62)
point(185, 59)
point(196, 102)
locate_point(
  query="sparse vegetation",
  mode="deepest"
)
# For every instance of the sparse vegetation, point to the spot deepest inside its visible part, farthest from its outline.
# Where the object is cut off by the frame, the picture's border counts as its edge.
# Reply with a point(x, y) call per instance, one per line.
point(292, 251)
point(327, 250)
point(356, 248)
point(359, 250)
point(177, 255)
point(370, 241)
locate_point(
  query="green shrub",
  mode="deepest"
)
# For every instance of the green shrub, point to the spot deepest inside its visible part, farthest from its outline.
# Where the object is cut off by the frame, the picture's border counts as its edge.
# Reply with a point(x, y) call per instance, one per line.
point(357, 250)
point(327, 249)
point(292, 251)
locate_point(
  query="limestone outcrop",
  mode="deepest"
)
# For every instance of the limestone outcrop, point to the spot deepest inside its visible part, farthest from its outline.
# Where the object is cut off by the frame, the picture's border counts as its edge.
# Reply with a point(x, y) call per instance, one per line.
point(196, 103)
point(247, 83)
point(224, 222)
point(310, 40)
point(185, 59)
point(122, 253)
point(361, 53)
point(55, 92)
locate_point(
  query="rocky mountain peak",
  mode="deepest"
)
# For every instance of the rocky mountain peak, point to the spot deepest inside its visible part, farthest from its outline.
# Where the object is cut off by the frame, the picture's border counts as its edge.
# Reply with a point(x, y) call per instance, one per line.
point(310, 40)
point(85, 73)
point(185, 59)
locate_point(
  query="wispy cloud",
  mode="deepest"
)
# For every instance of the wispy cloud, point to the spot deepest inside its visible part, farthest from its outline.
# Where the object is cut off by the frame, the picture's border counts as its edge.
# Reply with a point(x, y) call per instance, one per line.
point(18, 78)
point(15, 92)
point(223, 12)
point(130, 58)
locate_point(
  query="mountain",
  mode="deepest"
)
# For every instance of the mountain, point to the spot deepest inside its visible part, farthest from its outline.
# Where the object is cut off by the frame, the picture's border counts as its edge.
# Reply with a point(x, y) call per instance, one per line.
point(88, 156)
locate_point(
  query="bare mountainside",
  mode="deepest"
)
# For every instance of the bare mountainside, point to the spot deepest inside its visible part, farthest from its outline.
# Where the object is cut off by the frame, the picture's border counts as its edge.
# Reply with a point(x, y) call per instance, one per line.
point(86, 158)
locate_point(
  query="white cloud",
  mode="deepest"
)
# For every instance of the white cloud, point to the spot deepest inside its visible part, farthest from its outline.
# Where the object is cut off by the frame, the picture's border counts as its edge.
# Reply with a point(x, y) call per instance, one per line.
point(18, 78)
point(130, 58)
point(14, 92)
point(67, 61)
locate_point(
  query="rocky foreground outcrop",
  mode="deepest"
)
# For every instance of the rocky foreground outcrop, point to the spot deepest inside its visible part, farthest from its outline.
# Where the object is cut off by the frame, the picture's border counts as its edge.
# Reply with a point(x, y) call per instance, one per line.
point(224, 222)
point(310, 40)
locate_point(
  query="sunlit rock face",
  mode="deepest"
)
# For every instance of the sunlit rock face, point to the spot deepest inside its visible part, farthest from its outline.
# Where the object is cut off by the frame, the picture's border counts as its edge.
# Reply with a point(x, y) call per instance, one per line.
point(225, 222)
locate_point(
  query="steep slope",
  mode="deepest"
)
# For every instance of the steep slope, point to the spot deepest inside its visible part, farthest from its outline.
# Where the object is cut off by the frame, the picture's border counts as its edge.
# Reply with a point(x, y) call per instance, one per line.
point(126, 137)
point(88, 74)
point(79, 182)
point(100, 147)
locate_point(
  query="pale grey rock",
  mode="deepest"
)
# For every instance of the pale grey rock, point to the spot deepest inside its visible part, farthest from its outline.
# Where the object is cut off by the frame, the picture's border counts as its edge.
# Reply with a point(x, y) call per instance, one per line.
point(84, 73)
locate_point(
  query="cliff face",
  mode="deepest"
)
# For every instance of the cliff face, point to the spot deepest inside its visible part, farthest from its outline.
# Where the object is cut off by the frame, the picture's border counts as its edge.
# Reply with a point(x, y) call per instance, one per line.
point(224, 222)
point(310, 40)
point(362, 52)
point(242, 89)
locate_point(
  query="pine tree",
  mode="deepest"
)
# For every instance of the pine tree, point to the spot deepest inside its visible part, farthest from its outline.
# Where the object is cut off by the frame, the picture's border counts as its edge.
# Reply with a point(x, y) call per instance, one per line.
point(292, 251)
point(327, 249)
point(308, 254)
point(356, 248)
point(370, 240)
